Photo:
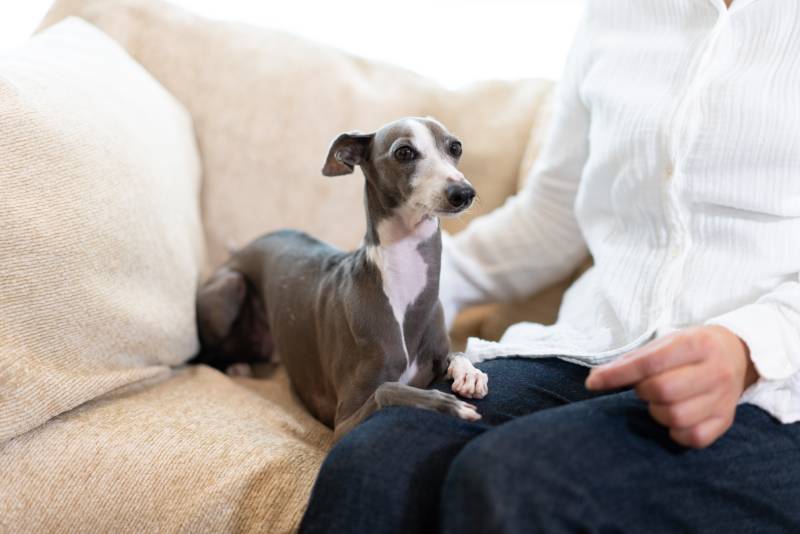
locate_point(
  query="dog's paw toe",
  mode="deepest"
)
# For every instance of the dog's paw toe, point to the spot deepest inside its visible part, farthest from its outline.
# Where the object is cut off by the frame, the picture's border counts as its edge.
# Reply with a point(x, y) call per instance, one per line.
point(472, 384)
point(482, 387)
point(240, 370)
point(449, 404)
point(467, 411)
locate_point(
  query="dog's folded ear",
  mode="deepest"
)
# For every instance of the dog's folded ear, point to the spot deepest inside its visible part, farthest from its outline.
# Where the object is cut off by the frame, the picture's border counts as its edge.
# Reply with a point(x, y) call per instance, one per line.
point(219, 302)
point(347, 151)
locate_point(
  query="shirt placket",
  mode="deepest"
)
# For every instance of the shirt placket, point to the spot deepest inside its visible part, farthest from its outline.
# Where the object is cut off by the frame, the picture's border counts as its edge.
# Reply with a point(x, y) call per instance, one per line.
point(681, 134)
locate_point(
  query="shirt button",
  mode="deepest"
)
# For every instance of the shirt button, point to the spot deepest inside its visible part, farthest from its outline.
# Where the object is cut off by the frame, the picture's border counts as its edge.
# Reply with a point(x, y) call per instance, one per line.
point(668, 172)
point(675, 251)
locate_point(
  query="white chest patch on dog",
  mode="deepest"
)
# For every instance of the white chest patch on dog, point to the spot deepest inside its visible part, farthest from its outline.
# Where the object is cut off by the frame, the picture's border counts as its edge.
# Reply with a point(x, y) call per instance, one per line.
point(409, 373)
point(404, 273)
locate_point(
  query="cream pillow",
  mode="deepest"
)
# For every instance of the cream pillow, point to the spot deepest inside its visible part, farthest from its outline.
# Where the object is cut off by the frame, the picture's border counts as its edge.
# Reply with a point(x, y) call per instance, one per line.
point(100, 235)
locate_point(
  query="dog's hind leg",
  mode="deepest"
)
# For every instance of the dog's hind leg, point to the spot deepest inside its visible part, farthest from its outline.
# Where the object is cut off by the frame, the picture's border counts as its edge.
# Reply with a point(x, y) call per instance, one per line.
point(398, 394)
point(219, 302)
point(231, 323)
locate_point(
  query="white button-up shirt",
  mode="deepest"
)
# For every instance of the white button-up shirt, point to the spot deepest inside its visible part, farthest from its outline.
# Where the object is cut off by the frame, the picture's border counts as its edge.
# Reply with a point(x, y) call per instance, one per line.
point(674, 158)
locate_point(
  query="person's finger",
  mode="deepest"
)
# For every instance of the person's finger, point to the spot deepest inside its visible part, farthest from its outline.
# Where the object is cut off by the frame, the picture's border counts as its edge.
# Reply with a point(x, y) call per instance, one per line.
point(703, 434)
point(652, 359)
point(676, 384)
point(687, 413)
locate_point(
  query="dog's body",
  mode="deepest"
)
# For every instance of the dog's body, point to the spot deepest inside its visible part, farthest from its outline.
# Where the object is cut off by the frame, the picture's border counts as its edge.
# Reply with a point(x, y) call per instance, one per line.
point(356, 330)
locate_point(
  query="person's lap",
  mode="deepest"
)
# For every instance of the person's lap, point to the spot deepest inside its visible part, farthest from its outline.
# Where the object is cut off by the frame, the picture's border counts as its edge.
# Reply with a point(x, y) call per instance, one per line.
point(568, 461)
point(409, 450)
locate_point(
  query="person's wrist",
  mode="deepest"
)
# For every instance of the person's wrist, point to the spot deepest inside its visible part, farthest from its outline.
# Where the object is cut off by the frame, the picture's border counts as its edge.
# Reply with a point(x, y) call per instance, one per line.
point(741, 352)
point(751, 375)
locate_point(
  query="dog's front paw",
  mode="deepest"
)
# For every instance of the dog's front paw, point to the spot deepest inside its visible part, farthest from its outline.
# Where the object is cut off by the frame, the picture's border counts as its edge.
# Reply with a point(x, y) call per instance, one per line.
point(468, 381)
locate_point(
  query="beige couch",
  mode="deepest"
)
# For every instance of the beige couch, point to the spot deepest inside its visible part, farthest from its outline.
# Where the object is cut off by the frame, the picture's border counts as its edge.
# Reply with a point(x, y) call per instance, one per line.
point(154, 445)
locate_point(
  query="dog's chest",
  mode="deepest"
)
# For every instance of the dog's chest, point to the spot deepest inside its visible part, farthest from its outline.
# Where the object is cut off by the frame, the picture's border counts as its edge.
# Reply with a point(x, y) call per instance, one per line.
point(404, 274)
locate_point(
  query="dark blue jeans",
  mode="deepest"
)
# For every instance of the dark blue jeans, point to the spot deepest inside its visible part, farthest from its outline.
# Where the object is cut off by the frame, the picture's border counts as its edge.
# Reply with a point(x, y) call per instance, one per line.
point(549, 456)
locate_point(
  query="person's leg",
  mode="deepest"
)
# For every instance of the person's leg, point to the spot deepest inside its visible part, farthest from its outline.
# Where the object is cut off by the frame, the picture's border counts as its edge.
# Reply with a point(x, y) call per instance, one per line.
point(519, 386)
point(604, 465)
point(386, 474)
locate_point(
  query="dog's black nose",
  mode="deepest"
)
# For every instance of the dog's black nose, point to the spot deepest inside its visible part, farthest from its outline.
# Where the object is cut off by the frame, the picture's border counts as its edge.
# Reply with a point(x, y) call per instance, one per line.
point(460, 196)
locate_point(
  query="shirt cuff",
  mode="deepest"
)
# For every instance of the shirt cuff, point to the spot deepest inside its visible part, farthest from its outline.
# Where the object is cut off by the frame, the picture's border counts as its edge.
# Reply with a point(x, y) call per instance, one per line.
point(762, 327)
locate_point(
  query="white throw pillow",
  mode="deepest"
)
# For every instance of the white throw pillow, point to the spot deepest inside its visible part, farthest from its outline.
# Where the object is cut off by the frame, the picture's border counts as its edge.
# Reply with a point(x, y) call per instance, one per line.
point(100, 234)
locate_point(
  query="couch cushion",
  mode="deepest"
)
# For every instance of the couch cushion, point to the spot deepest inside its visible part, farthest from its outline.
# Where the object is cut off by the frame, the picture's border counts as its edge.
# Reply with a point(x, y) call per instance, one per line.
point(266, 105)
point(100, 236)
point(193, 453)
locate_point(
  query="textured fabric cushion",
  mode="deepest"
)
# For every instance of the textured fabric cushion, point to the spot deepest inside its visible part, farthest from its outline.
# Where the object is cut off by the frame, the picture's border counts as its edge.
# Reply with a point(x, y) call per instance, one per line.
point(100, 236)
point(266, 106)
point(193, 452)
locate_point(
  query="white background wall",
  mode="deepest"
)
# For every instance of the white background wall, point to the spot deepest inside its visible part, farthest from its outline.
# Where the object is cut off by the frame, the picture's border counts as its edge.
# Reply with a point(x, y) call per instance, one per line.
point(454, 41)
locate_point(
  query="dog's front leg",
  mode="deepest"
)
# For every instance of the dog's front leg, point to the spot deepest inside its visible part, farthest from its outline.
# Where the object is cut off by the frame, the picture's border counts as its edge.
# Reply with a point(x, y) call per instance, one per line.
point(398, 394)
point(468, 380)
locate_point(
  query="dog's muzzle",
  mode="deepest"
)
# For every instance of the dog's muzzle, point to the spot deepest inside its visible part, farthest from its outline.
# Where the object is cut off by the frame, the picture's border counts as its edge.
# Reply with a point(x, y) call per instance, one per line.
point(460, 196)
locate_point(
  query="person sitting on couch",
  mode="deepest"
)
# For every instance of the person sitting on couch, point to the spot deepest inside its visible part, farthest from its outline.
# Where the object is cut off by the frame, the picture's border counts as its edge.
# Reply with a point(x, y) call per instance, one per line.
point(674, 159)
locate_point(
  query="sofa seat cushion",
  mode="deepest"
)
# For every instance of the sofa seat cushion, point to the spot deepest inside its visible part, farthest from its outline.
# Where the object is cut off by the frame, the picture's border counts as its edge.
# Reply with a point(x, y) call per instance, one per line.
point(193, 452)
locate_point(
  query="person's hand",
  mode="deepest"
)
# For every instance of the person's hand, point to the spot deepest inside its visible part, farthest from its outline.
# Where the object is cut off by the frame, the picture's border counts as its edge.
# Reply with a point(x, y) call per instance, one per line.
point(692, 381)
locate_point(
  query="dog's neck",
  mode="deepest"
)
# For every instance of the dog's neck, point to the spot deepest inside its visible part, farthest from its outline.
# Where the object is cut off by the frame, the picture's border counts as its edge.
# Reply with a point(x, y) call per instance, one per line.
point(394, 232)
point(406, 248)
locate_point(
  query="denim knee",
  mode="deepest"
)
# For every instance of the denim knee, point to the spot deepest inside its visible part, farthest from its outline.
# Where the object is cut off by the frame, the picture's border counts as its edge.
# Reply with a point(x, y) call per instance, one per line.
point(385, 475)
point(472, 495)
point(510, 481)
point(361, 454)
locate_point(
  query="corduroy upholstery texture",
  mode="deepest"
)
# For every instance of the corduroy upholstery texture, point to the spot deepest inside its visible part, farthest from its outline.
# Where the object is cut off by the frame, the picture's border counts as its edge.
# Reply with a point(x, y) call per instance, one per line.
point(100, 236)
point(192, 450)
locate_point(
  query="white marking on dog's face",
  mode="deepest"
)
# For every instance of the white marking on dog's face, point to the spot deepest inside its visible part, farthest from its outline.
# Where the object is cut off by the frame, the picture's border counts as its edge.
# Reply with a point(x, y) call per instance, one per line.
point(413, 168)
point(435, 170)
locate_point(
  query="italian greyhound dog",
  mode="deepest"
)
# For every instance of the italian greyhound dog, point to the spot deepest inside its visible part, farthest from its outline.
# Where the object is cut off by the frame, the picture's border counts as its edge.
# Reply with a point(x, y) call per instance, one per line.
point(360, 330)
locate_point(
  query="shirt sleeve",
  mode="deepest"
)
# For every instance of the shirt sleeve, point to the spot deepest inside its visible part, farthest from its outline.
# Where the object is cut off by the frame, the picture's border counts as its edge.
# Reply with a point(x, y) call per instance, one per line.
point(771, 329)
point(533, 240)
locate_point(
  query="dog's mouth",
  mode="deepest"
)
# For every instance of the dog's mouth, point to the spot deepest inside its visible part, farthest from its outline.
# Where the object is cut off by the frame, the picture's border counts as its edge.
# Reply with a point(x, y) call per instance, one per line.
point(450, 211)
point(441, 209)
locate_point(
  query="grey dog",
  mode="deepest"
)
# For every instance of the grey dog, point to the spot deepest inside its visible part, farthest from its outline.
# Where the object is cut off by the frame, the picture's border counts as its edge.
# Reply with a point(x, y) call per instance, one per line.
point(360, 330)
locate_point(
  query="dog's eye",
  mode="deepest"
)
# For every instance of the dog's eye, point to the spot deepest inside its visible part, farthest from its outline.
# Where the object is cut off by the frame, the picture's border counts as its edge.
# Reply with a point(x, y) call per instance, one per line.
point(405, 153)
point(455, 149)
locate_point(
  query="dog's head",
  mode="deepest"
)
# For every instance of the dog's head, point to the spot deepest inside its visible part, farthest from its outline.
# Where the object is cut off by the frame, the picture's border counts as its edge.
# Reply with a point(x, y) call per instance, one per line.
point(410, 166)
